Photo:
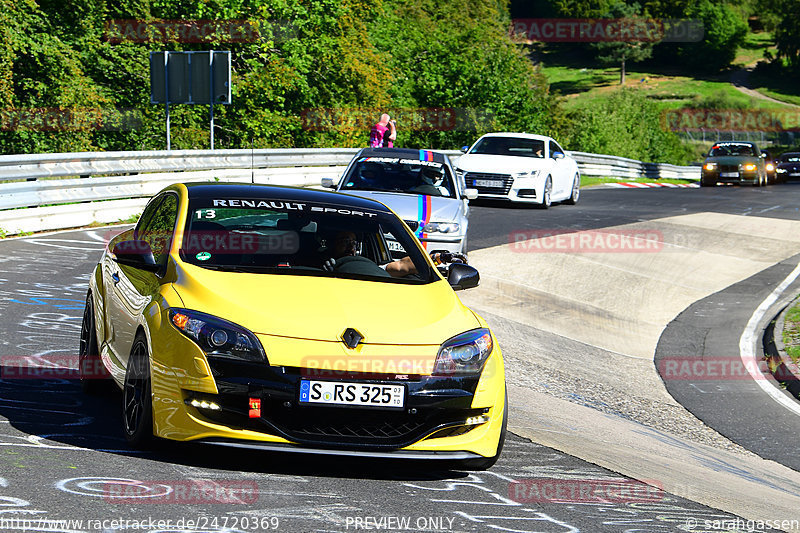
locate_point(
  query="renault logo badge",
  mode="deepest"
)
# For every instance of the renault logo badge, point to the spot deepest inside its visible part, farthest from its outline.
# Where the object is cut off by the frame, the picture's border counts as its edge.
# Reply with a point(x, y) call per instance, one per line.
point(351, 338)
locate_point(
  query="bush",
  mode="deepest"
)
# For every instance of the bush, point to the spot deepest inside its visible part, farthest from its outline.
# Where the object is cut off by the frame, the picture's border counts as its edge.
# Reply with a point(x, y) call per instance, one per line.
point(625, 124)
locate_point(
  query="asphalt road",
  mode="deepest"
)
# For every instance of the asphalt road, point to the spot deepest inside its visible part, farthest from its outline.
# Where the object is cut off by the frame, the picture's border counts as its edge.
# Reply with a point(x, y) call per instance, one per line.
point(62, 455)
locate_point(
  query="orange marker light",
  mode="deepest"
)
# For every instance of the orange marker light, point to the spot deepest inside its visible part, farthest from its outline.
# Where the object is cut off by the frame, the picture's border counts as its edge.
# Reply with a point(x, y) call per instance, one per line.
point(180, 320)
point(255, 408)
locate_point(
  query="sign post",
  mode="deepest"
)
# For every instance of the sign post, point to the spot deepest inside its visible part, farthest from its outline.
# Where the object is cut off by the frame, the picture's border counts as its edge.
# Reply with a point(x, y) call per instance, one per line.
point(190, 78)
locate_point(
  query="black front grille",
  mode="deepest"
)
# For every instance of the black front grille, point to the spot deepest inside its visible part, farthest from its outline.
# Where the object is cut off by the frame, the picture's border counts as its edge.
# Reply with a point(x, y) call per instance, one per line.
point(506, 180)
point(346, 425)
point(729, 168)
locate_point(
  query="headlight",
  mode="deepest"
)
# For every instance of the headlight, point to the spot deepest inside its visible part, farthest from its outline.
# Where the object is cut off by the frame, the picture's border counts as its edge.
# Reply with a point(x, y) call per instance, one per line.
point(464, 354)
point(530, 174)
point(780, 170)
point(710, 166)
point(770, 167)
point(750, 167)
point(216, 336)
point(440, 227)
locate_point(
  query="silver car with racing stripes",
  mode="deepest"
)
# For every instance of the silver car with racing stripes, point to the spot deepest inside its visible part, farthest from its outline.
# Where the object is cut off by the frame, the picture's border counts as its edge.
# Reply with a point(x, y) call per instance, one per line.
point(420, 186)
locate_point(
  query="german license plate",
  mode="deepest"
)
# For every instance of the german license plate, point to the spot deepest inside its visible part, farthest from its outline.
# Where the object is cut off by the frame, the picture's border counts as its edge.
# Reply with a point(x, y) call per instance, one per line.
point(395, 246)
point(487, 183)
point(362, 394)
point(728, 174)
point(793, 174)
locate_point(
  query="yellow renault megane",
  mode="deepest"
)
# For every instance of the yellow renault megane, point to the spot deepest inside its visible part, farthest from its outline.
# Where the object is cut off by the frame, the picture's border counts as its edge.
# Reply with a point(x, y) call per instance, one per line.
point(276, 318)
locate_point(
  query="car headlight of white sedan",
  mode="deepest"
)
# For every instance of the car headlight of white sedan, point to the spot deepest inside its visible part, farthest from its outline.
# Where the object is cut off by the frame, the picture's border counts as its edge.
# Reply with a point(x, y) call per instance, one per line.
point(529, 174)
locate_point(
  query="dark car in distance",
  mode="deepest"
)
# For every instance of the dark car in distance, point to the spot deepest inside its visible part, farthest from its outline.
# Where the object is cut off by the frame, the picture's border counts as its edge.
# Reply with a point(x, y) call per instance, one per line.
point(734, 162)
point(787, 166)
point(771, 167)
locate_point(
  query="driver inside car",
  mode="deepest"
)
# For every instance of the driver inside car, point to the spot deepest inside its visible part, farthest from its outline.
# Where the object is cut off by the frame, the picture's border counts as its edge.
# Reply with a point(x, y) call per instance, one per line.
point(346, 246)
point(431, 182)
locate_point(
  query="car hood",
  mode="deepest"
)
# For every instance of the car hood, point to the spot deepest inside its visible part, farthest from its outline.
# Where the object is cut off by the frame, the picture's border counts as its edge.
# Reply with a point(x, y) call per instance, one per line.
point(322, 308)
point(504, 164)
point(732, 160)
point(411, 206)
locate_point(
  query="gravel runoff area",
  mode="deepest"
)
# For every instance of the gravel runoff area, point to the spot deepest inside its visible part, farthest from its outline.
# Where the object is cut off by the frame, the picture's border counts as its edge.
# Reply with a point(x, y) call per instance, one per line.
point(520, 345)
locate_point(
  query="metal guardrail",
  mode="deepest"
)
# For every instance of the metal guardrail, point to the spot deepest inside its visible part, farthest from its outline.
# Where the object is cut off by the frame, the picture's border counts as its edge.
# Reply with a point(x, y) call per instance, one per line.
point(116, 185)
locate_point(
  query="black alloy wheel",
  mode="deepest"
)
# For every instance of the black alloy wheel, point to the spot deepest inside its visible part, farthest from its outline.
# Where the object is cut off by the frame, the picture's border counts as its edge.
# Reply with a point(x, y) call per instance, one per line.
point(137, 400)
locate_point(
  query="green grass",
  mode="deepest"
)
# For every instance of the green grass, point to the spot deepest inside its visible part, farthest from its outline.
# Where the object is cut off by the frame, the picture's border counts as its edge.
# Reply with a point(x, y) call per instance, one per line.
point(755, 45)
point(791, 332)
point(591, 181)
point(581, 81)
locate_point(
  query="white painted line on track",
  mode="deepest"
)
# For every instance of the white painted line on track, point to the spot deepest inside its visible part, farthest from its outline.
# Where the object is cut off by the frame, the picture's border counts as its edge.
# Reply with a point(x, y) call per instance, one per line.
point(747, 344)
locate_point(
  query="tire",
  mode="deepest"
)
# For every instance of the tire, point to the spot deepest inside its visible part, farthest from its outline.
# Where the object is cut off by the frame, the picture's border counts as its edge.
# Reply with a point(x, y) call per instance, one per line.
point(93, 375)
point(137, 399)
point(546, 194)
point(576, 191)
point(485, 463)
point(706, 184)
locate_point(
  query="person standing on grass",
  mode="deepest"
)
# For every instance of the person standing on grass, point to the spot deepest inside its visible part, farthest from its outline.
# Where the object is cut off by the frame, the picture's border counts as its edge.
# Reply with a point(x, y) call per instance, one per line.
point(383, 133)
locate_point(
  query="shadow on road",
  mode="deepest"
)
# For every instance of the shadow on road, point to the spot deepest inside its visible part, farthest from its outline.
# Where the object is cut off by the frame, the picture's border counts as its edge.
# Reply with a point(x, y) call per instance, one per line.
point(55, 413)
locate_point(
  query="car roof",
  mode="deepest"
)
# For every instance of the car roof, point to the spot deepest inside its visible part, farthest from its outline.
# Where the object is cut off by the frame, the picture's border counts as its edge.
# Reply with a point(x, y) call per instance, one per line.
point(518, 135)
point(405, 153)
point(261, 191)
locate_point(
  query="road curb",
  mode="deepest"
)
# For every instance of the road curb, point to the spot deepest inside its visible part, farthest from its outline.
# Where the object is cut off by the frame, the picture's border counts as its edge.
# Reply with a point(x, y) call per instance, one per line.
point(780, 364)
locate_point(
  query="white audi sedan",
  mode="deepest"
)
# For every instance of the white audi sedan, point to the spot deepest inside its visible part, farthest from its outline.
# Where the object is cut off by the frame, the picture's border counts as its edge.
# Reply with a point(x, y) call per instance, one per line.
point(521, 167)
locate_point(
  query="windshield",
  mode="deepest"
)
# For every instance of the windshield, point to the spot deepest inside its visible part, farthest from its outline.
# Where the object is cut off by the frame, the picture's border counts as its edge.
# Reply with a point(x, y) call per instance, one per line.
point(732, 149)
point(389, 174)
point(790, 158)
point(509, 146)
point(294, 238)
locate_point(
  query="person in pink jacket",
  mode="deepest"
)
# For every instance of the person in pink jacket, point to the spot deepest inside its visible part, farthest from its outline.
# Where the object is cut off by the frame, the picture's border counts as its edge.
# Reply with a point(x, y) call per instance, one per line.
point(383, 133)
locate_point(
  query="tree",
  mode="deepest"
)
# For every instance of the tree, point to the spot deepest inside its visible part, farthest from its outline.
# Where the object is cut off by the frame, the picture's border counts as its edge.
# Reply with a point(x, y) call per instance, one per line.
point(724, 32)
point(787, 33)
point(635, 38)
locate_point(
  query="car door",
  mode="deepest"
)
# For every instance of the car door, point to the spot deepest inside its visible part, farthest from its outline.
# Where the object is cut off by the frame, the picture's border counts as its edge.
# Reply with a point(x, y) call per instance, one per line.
point(132, 289)
point(562, 178)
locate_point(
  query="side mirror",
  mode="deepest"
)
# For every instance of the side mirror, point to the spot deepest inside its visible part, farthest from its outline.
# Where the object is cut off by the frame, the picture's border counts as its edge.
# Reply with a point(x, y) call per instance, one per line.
point(413, 225)
point(464, 149)
point(136, 254)
point(328, 183)
point(461, 276)
point(471, 194)
point(558, 155)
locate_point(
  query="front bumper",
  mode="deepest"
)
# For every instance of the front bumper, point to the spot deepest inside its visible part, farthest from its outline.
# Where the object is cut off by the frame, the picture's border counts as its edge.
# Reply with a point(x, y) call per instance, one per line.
point(434, 417)
point(433, 241)
point(530, 190)
point(741, 178)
